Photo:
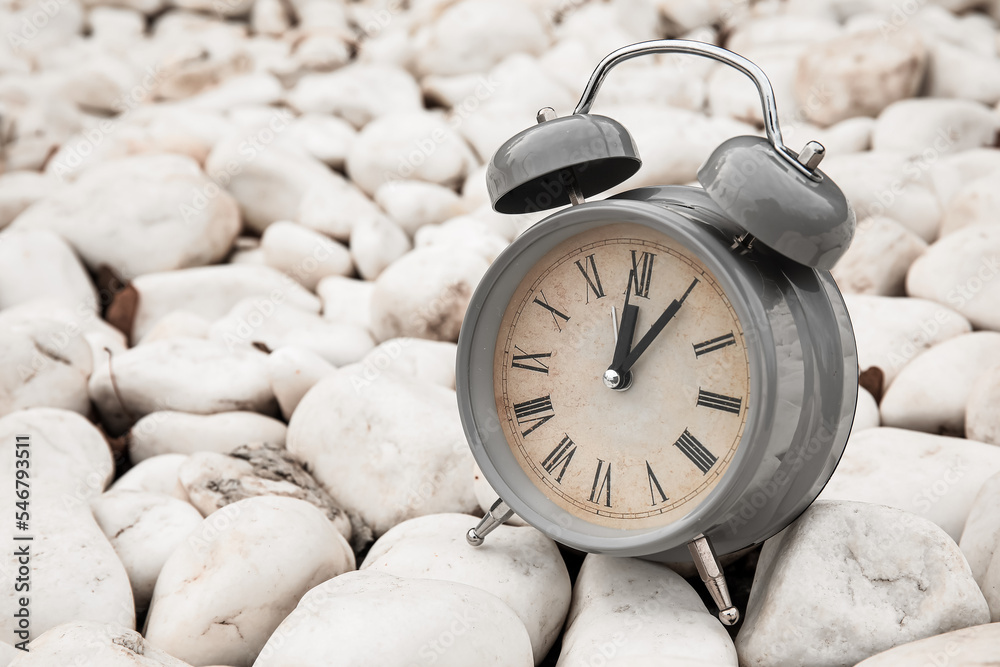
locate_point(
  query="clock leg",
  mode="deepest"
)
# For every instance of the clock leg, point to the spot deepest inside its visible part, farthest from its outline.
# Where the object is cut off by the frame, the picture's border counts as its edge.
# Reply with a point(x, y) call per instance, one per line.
point(713, 577)
point(498, 513)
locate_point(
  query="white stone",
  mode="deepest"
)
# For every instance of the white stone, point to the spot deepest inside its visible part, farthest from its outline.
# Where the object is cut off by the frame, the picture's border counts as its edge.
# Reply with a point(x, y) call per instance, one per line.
point(464, 233)
point(37, 129)
point(848, 580)
point(473, 35)
point(425, 293)
point(952, 173)
point(452, 624)
point(269, 17)
point(426, 360)
point(44, 363)
point(787, 28)
point(211, 608)
point(414, 145)
point(664, 81)
point(157, 474)
point(170, 432)
point(891, 332)
point(358, 93)
point(932, 392)
point(520, 566)
point(866, 413)
point(940, 126)
point(177, 324)
point(982, 419)
point(37, 264)
point(293, 371)
point(961, 270)
point(973, 31)
point(859, 74)
point(375, 244)
point(91, 642)
point(258, 88)
point(956, 71)
point(185, 374)
point(231, 8)
point(975, 204)
point(674, 142)
point(878, 258)
point(326, 138)
point(304, 254)
point(70, 461)
point(413, 204)
point(933, 476)
point(75, 573)
point(212, 291)
point(21, 189)
point(8, 653)
point(981, 535)
point(144, 529)
point(140, 215)
point(967, 647)
point(891, 184)
point(280, 182)
point(346, 300)
point(253, 321)
point(638, 613)
point(389, 448)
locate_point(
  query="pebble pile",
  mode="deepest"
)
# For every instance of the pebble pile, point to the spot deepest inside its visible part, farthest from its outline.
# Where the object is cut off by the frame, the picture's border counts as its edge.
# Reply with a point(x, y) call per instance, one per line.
point(237, 241)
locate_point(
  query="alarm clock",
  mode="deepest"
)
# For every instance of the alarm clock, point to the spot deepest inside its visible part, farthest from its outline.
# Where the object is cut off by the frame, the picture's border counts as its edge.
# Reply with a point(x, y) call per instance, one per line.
point(669, 373)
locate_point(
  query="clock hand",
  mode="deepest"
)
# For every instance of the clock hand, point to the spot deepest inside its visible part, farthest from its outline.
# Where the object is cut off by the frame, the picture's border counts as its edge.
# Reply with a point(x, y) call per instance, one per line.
point(623, 340)
point(653, 332)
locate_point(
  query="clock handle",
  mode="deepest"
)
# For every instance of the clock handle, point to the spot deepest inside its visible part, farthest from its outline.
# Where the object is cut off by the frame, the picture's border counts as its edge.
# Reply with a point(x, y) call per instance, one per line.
point(805, 162)
point(714, 578)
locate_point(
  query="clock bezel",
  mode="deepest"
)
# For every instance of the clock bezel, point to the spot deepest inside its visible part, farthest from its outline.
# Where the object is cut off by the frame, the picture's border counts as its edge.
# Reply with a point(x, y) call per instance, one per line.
point(475, 378)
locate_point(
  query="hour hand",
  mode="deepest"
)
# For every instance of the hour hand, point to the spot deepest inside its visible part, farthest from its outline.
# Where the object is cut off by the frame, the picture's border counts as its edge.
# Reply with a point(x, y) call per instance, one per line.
point(633, 355)
point(623, 343)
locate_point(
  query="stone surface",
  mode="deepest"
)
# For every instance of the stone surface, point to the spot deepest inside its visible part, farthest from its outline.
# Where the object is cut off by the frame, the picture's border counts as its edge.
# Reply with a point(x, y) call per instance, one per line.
point(932, 476)
point(157, 474)
point(956, 71)
point(376, 244)
point(859, 74)
point(358, 93)
point(368, 617)
point(520, 566)
point(389, 448)
point(982, 419)
point(866, 414)
point(252, 322)
point(413, 204)
point(304, 254)
point(326, 138)
point(346, 300)
point(170, 432)
point(974, 204)
point(893, 332)
point(38, 264)
point(177, 324)
point(415, 358)
point(209, 607)
point(94, 643)
point(463, 234)
point(212, 291)
point(293, 371)
point(182, 374)
point(939, 125)
point(144, 529)
point(878, 258)
point(981, 535)
point(932, 392)
point(848, 580)
point(968, 647)
point(961, 270)
point(19, 190)
point(631, 612)
point(425, 293)
point(140, 215)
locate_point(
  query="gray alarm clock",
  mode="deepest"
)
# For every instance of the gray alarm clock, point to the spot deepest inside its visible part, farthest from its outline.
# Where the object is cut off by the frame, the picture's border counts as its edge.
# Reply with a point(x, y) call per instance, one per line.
point(670, 373)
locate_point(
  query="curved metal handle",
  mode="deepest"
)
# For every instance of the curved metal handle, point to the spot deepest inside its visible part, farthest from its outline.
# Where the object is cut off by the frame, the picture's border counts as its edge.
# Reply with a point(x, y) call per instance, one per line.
point(718, 53)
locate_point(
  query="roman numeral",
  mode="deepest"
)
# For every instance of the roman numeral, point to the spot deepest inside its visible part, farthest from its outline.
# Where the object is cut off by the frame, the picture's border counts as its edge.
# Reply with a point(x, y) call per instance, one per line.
point(696, 452)
point(714, 344)
point(654, 484)
point(544, 303)
point(708, 399)
point(530, 362)
point(605, 484)
point(593, 285)
point(536, 412)
point(642, 269)
point(561, 455)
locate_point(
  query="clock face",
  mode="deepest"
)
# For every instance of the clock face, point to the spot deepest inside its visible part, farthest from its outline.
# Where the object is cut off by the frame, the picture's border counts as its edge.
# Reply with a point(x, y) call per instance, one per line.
point(645, 456)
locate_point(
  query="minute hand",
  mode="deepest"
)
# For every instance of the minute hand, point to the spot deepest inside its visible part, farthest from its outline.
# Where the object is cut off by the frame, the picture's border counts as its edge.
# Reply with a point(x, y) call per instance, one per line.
point(654, 331)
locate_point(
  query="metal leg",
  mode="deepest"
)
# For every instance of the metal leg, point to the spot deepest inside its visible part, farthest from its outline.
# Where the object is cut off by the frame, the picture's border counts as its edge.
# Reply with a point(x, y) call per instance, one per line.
point(498, 513)
point(713, 577)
